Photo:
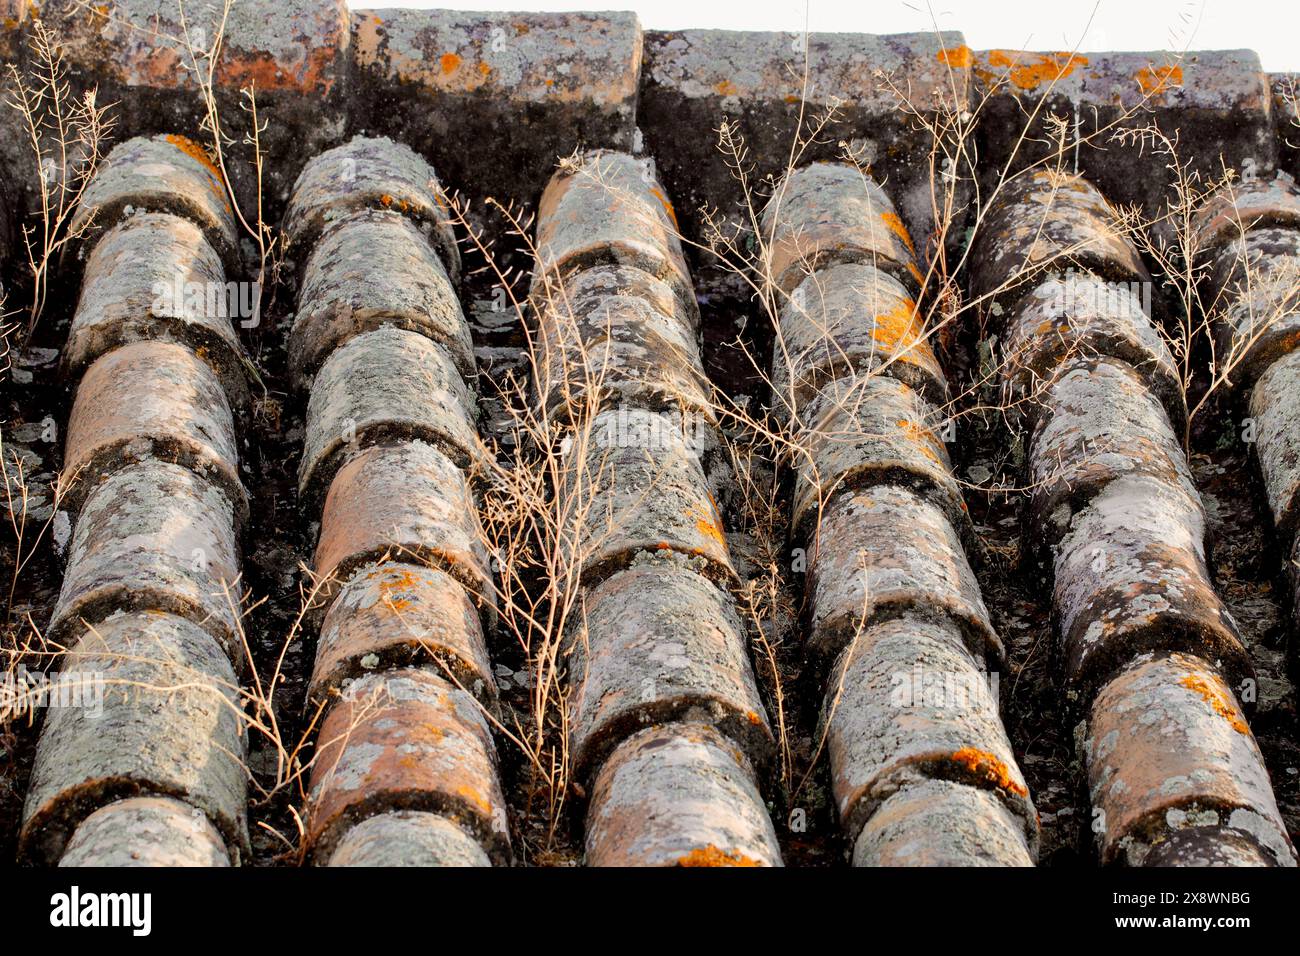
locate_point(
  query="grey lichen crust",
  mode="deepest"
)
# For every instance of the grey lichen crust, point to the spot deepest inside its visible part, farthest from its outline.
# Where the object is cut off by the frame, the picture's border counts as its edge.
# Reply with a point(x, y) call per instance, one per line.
point(146, 832)
point(408, 838)
point(164, 720)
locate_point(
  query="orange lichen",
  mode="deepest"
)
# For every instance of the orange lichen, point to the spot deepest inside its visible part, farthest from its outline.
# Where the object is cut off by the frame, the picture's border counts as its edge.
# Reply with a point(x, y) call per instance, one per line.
point(725, 88)
point(897, 228)
point(484, 69)
point(668, 206)
point(899, 328)
point(753, 718)
point(984, 764)
point(449, 62)
point(1218, 701)
point(1027, 75)
point(922, 436)
point(318, 71)
point(391, 591)
point(710, 525)
point(712, 856)
point(474, 797)
point(1155, 80)
point(195, 152)
point(958, 57)
point(200, 155)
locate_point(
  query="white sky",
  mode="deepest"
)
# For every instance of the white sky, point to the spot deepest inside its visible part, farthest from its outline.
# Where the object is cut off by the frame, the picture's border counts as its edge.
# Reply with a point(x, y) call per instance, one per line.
point(1092, 25)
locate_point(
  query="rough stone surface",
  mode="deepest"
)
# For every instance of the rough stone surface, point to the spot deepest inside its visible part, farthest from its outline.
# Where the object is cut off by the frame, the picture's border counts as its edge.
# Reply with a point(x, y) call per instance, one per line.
point(155, 277)
point(295, 53)
point(695, 79)
point(167, 173)
point(678, 795)
point(1201, 846)
point(1286, 114)
point(1168, 749)
point(1275, 409)
point(151, 401)
point(13, 19)
point(828, 213)
point(1240, 207)
point(146, 831)
point(607, 208)
point(609, 339)
point(940, 823)
point(167, 725)
point(1255, 294)
point(408, 838)
point(153, 537)
point(644, 489)
point(493, 99)
point(412, 503)
point(1214, 104)
point(406, 740)
point(395, 613)
point(884, 552)
point(1044, 222)
point(907, 703)
point(1072, 316)
point(371, 173)
point(1099, 422)
point(658, 642)
point(851, 318)
point(872, 431)
point(384, 386)
point(1131, 578)
point(371, 269)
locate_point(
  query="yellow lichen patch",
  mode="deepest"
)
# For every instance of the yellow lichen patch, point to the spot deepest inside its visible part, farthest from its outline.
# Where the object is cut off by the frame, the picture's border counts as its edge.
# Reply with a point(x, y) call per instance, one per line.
point(897, 228)
point(710, 525)
point(391, 591)
point(899, 328)
point(449, 62)
point(200, 155)
point(725, 88)
point(921, 436)
point(712, 856)
point(195, 152)
point(1028, 71)
point(1155, 80)
point(754, 718)
point(1215, 697)
point(474, 797)
point(957, 57)
point(668, 206)
point(989, 767)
